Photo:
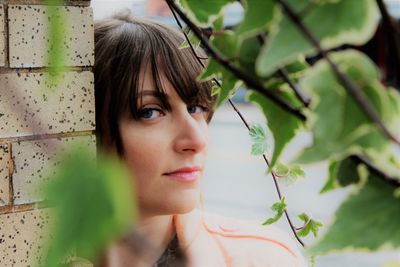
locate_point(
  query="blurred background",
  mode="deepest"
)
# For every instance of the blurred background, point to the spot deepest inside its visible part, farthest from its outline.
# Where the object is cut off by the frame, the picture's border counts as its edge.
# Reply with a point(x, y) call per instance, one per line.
point(236, 183)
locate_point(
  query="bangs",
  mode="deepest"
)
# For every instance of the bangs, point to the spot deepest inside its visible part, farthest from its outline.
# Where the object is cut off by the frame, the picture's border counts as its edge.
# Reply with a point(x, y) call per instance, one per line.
point(166, 61)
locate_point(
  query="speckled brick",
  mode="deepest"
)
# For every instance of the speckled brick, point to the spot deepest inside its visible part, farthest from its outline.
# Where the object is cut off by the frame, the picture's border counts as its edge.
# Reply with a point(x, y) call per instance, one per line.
point(5, 160)
point(31, 104)
point(34, 165)
point(2, 37)
point(22, 235)
point(29, 42)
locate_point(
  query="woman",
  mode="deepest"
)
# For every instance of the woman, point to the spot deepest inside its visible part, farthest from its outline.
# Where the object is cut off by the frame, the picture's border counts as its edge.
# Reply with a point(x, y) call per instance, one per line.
point(154, 115)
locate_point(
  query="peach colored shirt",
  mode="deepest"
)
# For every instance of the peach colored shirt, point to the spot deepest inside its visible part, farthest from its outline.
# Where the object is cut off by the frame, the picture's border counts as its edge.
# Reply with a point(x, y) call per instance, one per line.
point(210, 240)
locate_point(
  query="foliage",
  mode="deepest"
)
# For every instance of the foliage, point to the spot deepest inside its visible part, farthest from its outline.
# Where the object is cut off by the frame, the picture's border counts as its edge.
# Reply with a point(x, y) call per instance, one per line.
point(93, 205)
point(257, 52)
point(289, 175)
point(259, 137)
point(310, 225)
point(279, 209)
point(370, 217)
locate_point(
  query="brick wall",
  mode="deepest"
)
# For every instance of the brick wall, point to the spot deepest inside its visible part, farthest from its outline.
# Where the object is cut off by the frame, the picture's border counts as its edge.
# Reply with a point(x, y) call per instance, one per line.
point(38, 119)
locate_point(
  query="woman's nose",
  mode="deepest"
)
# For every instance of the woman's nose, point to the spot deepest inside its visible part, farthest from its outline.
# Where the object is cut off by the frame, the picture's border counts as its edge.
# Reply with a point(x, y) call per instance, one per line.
point(192, 134)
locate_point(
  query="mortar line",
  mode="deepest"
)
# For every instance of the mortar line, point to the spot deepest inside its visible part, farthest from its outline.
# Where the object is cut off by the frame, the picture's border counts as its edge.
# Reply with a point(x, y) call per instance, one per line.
point(45, 136)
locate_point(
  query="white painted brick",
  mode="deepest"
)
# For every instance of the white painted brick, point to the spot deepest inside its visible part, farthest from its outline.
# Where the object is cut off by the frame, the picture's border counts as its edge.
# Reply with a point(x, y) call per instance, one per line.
point(5, 160)
point(21, 236)
point(2, 37)
point(31, 104)
point(29, 35)
point(34, 165)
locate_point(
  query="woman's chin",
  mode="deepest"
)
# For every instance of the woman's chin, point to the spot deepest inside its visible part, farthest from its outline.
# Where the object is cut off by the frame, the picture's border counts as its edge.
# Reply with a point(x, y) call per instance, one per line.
point(186, 203)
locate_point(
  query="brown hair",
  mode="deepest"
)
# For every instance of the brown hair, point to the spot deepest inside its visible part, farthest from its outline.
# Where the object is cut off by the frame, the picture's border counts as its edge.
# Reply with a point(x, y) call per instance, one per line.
point(124, 47)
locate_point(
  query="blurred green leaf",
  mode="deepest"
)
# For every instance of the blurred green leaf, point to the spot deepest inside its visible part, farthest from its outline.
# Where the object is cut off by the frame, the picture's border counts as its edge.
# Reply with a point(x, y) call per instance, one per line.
point(288, 175)
point(282, 132)
point(228, 45)
point(310, 225)
point(338, 124)
point(93, 204)
point(368, 219)
point(281, 170)
point(192, 39)
point(257, 17)
point(58, 31)
point(248, 52)
point(279, 209)
point(259, 137)
point(332, 22)
point(341, 173)
point(204, 12)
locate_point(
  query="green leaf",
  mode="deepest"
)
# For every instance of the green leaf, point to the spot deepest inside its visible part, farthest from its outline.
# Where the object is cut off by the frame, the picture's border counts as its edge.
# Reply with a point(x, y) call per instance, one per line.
point(368, 219)
point(288, 175)
point(257, 17)
point(339, 126)
point(310, 225)
point(218, 24)
point(212, 70)
point(228, 45)
point(282, 132)
point(393, 112)
point(296, 173)
point(248, 53)
point(341, 173)
point(93, 204)
point(281, 170)
point(333, 23)
point(204, 12)
point(192, 39)
point(260, 141)
point(279, 209)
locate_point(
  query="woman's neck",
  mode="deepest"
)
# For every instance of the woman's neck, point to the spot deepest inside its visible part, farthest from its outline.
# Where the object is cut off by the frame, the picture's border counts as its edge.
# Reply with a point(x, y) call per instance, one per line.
point(145, 244)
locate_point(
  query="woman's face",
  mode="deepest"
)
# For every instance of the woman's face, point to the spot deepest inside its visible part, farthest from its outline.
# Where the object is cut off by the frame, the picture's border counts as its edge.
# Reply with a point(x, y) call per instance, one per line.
point(165, 150)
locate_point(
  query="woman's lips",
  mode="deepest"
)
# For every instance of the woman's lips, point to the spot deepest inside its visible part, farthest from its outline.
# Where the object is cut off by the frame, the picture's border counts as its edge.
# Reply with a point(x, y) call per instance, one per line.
point(187, 174)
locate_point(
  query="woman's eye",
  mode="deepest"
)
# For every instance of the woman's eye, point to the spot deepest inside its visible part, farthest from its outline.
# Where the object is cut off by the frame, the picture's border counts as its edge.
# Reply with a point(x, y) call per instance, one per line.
point(150, 113)
point(195, 109)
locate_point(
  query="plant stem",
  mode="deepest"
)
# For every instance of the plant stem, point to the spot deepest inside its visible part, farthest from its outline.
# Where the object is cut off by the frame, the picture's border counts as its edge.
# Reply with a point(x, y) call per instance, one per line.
point(303, 99)
point(282, 71)
point(350, 87)
point(246, 78)
point(361, 159)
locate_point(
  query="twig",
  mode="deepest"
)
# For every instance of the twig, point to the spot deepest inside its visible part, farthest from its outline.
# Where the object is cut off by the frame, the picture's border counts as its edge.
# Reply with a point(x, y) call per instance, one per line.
point(246, 78)
point(280, 198)
point(351, 88)
point(282, 71)
point(393, 36)
point(303, 99)
point(361, 159)
point(248, 128)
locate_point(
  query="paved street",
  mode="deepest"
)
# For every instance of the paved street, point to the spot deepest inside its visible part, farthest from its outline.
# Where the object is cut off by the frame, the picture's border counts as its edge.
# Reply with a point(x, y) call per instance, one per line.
point(235, 184)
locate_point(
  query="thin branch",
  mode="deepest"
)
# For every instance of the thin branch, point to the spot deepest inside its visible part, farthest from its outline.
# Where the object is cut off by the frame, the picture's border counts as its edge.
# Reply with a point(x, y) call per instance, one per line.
point(351, 88)
point(393, 36)
point(361, 159)
point(294, 229)
point(303, 99)
point(280, 198)
point(246, 78)
point(282, 71)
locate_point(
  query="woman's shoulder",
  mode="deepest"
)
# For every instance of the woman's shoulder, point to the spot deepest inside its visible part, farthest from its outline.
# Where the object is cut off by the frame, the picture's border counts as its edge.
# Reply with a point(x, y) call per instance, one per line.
point(249, 243)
